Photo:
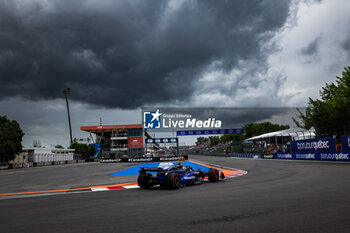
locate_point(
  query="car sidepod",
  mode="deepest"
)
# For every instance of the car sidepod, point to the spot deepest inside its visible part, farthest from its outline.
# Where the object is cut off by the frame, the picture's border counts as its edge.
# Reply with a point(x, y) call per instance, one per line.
point(188, 178)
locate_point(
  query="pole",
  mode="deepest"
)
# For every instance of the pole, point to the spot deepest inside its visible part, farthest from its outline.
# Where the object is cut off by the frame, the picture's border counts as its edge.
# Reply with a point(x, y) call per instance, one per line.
point(145, 134)
point(177, 147)
point(146, 147)
point(66, 92)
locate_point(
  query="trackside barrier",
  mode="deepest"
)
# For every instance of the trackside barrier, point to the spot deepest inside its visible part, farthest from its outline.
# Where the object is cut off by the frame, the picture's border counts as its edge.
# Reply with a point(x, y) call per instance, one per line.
point(345, 141)
point(252, 156)
point(18, 165)
point(321, 156)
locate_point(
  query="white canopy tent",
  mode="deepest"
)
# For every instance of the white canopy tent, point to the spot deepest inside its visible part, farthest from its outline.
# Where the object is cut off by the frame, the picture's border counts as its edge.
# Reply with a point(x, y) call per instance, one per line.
point(294, 133)
point(280, 139)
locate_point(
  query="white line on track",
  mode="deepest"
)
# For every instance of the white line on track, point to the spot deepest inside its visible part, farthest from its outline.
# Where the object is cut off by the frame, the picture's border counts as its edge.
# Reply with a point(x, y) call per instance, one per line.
point(131, 187)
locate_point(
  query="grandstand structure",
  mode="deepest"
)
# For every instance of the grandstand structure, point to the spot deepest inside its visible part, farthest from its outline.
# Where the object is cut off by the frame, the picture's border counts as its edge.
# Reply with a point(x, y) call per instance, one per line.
point(264, 143)
point(276, 141)
point(119, 140)
point(291, 134)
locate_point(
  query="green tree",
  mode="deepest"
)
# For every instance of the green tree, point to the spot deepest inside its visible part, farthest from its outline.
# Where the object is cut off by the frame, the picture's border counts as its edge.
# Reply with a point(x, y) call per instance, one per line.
point(91, 150)
point(330, 115)
point(85, 150)
point(256, 129)
point(59, 146)
point(214, 140)
point(11, 136)
point(201, 140)
point(232, 137)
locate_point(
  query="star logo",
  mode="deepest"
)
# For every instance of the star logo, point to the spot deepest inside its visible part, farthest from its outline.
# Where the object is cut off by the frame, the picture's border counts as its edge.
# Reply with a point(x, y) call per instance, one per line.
point(156, 115)
point(152, 120)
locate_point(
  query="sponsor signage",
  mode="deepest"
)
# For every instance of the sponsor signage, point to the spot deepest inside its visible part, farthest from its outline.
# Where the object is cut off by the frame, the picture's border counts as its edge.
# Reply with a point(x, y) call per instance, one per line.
point(267, 156)
point(209, 131)
point(328, 156)
point(345, 141)
point(162, 140)
point(135, 142)
point(157, 120)
point(173, 158)
point(314, 144)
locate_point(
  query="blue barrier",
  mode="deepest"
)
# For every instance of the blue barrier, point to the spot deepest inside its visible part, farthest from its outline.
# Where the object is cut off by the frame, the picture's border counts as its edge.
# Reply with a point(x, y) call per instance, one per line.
point(322, 156)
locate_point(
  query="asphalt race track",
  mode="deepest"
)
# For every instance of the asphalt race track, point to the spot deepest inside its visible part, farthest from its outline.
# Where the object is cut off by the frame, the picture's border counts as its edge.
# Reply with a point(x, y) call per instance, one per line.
point(275, 196)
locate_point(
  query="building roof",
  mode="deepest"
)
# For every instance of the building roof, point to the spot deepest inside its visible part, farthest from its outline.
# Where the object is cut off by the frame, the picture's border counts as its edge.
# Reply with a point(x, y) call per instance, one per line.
point(296, 133)
point(108, 128)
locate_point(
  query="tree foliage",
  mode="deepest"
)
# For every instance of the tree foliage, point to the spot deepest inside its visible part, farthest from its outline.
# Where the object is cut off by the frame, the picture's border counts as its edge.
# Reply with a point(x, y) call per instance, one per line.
point(232, 137)
point(250, 130)
point(256, 129)
point(214, 140)
point(11, 136)
point(201, 140)
point(330, 115)
point(85, 150)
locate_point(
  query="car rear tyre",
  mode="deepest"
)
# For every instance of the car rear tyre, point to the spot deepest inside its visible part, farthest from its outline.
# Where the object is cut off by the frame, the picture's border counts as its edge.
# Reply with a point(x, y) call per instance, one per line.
point(172, 181)
point(144, 181)
point(213, 175)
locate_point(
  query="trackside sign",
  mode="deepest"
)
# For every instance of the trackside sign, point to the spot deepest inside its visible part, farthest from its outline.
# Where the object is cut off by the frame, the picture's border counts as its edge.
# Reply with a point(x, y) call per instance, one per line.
point(345, 141)
point(328, 156)
point(315, 144)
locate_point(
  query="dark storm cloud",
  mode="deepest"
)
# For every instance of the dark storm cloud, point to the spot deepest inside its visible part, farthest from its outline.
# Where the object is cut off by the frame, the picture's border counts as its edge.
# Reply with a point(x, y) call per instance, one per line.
point(126, 53)
point(311, 49)
point(346, 45)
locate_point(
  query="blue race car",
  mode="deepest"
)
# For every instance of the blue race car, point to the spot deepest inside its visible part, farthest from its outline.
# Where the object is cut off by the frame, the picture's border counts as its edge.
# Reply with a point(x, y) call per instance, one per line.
point(175, 176)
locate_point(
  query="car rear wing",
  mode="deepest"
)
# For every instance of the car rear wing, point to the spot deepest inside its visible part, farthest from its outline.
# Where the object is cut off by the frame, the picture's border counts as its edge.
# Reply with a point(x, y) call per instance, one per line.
point(150, 169)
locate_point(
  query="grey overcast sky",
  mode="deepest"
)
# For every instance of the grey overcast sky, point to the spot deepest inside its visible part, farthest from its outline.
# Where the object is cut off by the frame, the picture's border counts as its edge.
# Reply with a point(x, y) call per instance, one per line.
point(117, 56)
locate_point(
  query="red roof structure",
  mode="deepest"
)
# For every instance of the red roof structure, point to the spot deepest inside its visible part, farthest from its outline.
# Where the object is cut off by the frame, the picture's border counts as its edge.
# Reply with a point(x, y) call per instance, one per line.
point(108, 128)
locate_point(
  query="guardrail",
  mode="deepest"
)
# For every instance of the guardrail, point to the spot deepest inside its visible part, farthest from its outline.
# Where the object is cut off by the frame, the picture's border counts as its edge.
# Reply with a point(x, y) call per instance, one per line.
point(37, 164)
